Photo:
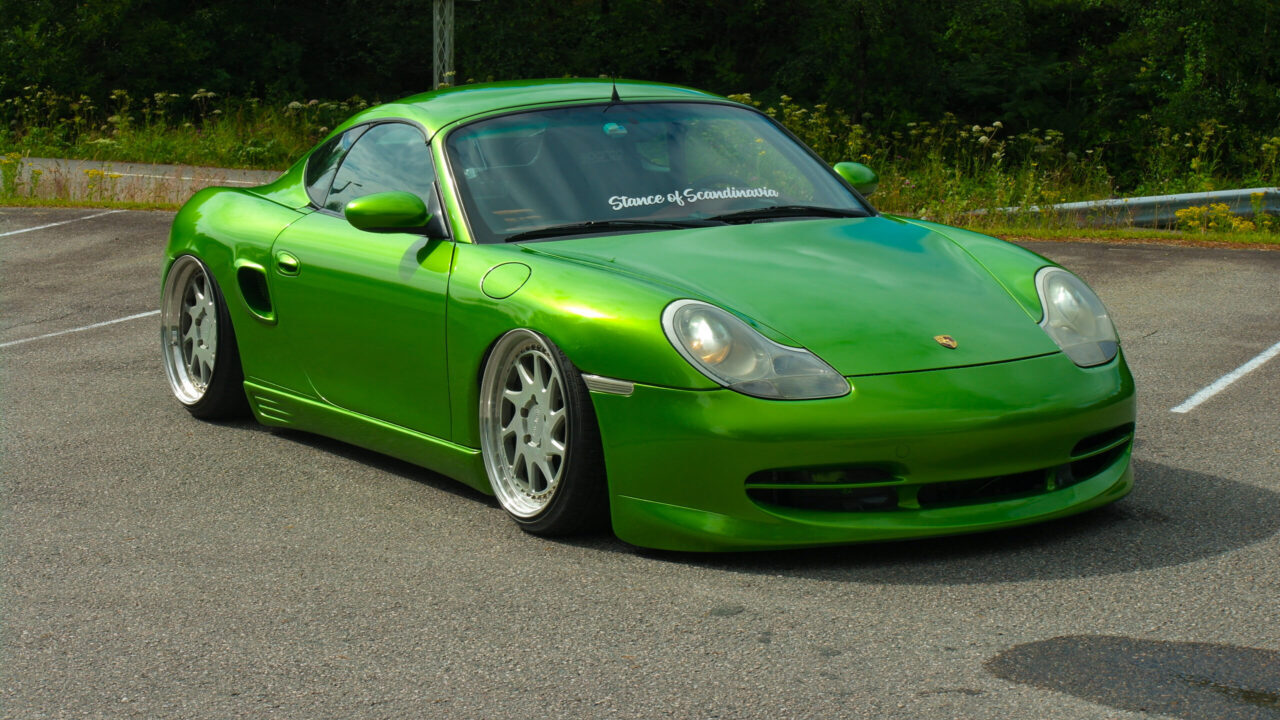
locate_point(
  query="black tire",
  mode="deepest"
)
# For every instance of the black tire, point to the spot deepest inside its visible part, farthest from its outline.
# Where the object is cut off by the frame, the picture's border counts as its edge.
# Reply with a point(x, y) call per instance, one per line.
point(201, 358)
point(540, 439)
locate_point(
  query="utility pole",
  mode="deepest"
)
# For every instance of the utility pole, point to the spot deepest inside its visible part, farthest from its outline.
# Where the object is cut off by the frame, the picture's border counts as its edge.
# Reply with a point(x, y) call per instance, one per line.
point(442, 44)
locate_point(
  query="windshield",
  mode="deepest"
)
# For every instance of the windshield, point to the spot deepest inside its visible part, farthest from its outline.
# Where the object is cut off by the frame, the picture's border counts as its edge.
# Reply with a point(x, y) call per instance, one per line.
point(666, 164)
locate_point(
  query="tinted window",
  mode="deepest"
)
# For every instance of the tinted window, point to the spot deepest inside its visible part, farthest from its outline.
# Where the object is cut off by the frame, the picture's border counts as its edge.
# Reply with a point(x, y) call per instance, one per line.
point(324, 162)
point(391, 156)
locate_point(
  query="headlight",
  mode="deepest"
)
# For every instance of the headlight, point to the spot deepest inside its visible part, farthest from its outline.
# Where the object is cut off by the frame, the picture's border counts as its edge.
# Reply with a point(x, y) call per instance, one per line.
point(735, 355)
point(1075, 318)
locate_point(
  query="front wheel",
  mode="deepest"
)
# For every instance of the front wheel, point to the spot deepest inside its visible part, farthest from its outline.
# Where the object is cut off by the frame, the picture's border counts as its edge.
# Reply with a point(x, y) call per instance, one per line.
point(201, 358)
point(539, 437)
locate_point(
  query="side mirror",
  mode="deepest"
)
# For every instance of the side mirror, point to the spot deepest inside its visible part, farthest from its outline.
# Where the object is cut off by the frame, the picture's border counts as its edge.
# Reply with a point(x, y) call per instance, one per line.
point(862, 178)
point(387, 212)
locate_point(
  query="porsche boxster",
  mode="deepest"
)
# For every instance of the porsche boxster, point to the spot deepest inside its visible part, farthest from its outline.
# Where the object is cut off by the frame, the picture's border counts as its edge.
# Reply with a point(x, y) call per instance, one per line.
point(644, 307)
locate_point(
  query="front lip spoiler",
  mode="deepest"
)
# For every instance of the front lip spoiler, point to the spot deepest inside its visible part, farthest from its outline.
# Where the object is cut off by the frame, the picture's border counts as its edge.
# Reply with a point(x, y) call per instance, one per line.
point(664, 526)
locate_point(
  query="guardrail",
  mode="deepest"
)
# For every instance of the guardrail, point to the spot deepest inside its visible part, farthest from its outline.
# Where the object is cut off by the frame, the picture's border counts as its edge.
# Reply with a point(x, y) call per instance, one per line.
point(1157, 211)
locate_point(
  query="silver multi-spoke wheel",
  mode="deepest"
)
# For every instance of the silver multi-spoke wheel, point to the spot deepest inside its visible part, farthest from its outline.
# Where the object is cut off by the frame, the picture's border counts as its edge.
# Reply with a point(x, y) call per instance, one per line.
point(524, 421)
point(198, 344)
point(189, 329)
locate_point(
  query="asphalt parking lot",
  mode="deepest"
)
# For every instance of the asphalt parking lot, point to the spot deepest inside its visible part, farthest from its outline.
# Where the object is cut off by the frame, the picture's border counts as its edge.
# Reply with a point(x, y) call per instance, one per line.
point(157, 566)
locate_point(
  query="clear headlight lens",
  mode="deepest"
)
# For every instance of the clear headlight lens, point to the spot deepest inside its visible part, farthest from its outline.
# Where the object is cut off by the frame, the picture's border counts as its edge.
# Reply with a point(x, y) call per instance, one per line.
point(735, 355)
point(1075, 318)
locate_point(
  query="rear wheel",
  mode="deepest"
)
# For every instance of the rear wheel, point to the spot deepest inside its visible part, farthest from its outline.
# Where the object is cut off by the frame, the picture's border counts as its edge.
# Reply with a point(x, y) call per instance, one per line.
point(201, 358)
point(539, 437)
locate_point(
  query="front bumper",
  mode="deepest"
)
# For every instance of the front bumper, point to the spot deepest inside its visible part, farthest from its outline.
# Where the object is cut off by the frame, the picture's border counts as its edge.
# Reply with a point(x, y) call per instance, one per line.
point(1053, 439)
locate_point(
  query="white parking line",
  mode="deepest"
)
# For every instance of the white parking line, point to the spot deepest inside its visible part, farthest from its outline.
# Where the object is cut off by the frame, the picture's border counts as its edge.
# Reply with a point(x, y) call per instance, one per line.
point(81, 329)
point(64, 222)
point(1221, 383)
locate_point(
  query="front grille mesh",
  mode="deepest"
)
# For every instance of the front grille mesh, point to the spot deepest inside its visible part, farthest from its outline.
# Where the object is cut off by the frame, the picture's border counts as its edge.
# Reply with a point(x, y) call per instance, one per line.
point(884, 489)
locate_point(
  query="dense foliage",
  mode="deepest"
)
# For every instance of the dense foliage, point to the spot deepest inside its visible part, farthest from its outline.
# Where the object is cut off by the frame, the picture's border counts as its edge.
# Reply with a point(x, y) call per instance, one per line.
point(1161, 89)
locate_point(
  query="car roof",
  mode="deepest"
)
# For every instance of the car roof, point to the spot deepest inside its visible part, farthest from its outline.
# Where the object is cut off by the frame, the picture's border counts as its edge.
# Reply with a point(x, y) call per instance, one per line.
point(436, 109)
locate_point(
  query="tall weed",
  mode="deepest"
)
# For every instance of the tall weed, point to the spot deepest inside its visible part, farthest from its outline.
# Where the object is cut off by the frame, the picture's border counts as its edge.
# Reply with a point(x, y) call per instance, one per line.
point(945, 169)
point(200, 129)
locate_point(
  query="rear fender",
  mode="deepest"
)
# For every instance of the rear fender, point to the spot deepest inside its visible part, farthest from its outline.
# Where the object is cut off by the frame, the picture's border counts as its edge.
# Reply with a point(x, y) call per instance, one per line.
point(232, 231)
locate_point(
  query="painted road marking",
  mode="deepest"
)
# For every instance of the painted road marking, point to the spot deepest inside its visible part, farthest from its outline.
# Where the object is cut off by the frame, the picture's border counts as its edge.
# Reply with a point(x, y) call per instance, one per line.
point(63, 222)
point(81, 329)
point(1221, 383)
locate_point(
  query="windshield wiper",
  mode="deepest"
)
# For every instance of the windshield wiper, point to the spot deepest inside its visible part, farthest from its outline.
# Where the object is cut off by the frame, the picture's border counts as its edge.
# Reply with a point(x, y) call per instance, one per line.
point(603, 226)
point(785, 211)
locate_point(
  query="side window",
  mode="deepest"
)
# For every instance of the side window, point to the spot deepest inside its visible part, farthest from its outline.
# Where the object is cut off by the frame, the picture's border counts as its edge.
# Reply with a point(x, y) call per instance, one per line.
point(324, 163)
point(391, 156)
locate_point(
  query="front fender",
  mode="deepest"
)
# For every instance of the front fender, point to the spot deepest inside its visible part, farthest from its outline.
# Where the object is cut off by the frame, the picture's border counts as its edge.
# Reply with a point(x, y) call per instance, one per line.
point(607, 323)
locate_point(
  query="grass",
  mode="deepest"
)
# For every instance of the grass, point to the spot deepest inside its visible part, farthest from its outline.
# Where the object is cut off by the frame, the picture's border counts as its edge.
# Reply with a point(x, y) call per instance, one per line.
point(110, 204)
point(202, 129)
point(1169, 237)
point(26, 183)
point(942, 170)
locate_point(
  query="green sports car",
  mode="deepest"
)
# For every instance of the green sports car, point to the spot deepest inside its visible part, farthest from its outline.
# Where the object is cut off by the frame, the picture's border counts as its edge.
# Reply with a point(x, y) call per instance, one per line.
point(646, 307)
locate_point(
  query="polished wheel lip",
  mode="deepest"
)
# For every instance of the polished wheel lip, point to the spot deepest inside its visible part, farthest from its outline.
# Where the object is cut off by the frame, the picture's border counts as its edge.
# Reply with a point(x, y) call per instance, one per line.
point(189, 329)
point(524, 423)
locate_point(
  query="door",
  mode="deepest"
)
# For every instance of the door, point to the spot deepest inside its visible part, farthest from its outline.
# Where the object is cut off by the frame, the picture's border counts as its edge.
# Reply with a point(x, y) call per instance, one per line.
point(364, 312)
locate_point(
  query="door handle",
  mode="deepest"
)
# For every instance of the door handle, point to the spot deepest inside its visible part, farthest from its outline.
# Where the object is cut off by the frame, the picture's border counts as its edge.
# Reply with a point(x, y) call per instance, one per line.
point(287, 264)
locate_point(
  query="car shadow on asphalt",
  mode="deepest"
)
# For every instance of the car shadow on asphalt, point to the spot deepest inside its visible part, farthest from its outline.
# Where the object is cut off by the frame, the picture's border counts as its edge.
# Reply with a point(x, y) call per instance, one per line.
point(383, 463)
point(1173, 516)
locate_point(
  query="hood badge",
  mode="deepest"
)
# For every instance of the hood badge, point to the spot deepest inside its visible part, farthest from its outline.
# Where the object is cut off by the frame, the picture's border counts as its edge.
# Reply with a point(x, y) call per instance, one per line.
point(946, 341)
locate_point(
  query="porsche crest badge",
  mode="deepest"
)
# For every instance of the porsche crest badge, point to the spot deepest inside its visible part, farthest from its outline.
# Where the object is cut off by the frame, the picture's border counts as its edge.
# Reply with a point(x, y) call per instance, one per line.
point(946, 341)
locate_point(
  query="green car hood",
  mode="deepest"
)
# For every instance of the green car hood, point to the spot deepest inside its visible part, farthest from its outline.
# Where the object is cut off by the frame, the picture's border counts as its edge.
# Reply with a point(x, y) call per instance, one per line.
point(867, 295)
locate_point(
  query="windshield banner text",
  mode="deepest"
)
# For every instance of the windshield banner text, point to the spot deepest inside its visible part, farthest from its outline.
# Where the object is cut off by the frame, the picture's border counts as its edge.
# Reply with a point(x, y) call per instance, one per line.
point(688, 196)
